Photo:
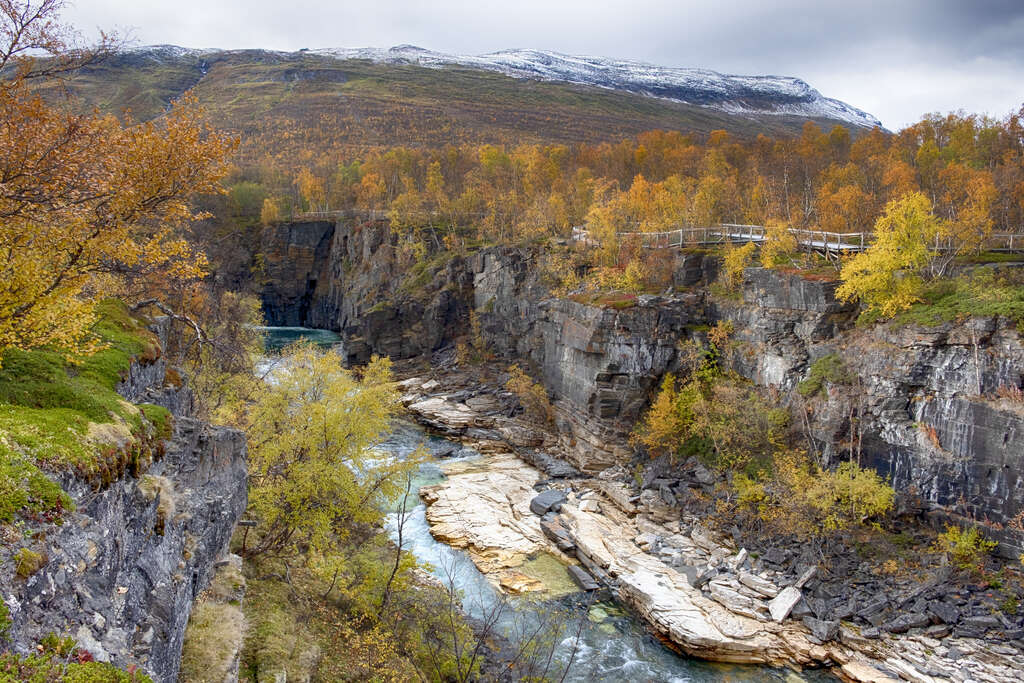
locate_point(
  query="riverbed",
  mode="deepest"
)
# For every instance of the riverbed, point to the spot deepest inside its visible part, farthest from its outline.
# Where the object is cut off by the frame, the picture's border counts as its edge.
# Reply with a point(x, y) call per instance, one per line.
point(612, 646)
point(598, 640)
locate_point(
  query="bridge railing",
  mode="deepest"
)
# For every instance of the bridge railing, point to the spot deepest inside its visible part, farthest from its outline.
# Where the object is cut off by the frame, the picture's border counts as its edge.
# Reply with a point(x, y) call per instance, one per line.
point(369, 214)
point(814, 240)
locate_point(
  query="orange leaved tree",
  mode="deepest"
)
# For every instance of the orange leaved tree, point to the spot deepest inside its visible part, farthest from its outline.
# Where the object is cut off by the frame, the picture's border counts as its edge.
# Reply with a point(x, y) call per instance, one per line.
point(88, 202)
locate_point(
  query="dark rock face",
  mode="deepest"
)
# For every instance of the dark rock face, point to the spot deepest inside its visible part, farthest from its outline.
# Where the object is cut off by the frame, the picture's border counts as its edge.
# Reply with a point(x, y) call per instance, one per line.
point(297, 258)
point(125, 567)
point(347, 278)
point(923, 397)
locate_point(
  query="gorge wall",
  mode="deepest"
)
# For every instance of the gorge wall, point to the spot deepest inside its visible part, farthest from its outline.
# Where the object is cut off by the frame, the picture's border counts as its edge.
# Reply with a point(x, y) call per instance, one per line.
point(920, 404)
point(122, 571)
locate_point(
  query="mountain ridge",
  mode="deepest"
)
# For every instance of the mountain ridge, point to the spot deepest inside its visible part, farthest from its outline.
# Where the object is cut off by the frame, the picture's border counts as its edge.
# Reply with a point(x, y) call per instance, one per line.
point(735, 94)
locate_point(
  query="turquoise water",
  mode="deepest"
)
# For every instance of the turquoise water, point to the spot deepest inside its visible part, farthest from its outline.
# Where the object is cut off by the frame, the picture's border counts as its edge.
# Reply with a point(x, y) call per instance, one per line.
point(278, 337)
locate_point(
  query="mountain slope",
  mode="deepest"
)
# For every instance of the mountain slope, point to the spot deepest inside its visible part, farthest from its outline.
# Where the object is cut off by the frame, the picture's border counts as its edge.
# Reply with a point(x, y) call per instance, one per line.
point(333, 101)
point(729, 93)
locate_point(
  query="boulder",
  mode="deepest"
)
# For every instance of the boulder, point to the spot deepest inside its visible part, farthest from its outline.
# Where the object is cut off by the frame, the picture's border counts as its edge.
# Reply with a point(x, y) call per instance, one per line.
point(783, 603)
point(558, 535)
point(944, 613)
point(582, 578)
point(547, 501)
point(821, 629)
point(758, 584)
point(905, 622)
point(806, 576)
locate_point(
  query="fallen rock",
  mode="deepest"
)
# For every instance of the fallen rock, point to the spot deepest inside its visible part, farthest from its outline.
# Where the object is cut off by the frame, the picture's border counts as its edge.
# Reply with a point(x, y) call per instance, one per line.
point(521, 436)
point(582, 578)
point(808, 574)
point(547, 501)
point(443, 415)
point(905, 622)
point(943, 612)
point(823, 630)
point(783, 603)
point(759, 584)
point(558, 535)
point(620, 494)
point(735, 601)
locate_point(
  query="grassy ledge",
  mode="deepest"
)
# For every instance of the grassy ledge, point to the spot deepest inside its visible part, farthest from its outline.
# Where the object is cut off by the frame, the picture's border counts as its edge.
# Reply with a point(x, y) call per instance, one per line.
point(64, 415)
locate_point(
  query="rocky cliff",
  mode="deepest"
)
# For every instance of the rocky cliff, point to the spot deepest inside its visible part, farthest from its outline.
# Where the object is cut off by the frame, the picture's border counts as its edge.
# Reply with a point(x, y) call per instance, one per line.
point(920, 404)
point(120, 574)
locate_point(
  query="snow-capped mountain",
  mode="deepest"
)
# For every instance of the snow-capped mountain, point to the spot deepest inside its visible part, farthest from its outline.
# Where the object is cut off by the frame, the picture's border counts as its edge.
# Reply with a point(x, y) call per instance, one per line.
point(726, 92)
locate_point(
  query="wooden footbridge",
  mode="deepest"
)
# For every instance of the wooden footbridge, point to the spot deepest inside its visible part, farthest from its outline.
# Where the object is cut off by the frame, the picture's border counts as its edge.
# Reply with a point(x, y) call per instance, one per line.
point(828, 243)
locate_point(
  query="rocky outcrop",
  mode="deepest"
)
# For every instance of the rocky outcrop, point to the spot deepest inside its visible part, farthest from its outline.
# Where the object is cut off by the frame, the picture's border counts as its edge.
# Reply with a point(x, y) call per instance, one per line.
point(696, 590)
point(123, 569)
point(483, 507)
point(297, 271)
point(352, 277)
point(924, 402)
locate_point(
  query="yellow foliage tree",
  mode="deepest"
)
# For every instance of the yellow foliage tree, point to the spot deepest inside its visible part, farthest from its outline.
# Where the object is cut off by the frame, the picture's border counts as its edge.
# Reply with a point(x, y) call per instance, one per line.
point(887, 276)
point(269, 213)
point(779, 244)
point(87, 203)
point(662, 428)
point(735, 260)
point(312, 475)
point(311, 189)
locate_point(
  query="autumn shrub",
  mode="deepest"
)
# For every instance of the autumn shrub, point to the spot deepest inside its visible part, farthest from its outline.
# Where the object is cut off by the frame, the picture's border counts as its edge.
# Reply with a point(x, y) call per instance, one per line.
point(965, 546)
point(663, 426)
point(795, 496)
point(562, 272)
point(473, 350)
point(779, 245)
point(734, 261)
point(532, 395)
point(720, 417)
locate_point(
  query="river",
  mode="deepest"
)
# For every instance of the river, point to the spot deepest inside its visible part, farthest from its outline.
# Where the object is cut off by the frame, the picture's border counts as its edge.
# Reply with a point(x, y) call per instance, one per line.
point(612, 646)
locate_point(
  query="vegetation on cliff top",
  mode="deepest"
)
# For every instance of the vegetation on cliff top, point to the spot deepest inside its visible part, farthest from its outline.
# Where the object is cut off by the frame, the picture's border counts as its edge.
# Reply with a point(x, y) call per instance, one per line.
point(58, 414)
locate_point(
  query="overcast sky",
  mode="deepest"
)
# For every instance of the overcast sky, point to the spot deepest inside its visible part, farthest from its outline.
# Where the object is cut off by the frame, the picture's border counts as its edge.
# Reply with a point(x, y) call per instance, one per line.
point(896, 59)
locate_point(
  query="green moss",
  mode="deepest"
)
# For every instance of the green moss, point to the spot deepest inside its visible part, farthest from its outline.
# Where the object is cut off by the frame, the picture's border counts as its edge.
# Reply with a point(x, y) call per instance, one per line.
point(5, 620)
point(380, 306)
point(25, 489)
point(983, 294)
point(65, 414)
point(422, 273)
point(28, 562)
point(547, 569)
point(51, 668)
point(826, 369)
point(160, 418)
